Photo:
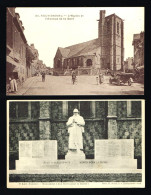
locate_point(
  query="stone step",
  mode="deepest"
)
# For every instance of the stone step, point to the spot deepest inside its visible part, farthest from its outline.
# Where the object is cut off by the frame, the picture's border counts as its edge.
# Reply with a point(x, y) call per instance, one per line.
point(87, 165)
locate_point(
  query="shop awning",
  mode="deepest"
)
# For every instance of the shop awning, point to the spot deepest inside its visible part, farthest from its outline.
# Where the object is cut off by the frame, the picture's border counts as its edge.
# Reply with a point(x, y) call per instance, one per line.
point(11, 61)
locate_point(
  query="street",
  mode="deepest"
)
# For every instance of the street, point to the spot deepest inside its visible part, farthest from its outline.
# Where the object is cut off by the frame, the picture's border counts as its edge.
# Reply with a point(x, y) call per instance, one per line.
point(85, 85)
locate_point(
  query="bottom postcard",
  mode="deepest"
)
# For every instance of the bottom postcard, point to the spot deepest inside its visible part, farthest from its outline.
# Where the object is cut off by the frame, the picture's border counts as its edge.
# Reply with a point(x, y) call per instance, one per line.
point(76, 144)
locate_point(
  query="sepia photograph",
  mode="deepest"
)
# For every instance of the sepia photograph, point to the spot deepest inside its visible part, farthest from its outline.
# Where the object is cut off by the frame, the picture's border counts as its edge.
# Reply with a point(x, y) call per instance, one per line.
point(75, 51)
point(76, 143)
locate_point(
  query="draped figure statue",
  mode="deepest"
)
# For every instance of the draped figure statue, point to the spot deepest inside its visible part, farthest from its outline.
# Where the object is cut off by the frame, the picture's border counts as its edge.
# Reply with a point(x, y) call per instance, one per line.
point(75, 126)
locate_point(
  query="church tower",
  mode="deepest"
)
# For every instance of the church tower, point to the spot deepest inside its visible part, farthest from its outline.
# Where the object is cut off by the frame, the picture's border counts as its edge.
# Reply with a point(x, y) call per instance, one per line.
point(111, 38)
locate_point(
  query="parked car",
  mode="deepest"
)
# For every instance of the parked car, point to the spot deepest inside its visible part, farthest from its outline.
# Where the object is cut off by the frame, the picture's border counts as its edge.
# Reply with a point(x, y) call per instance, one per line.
point(119, 78)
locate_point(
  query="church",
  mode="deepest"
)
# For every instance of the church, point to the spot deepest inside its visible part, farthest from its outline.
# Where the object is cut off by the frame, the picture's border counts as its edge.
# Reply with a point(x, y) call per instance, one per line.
point(94, 56)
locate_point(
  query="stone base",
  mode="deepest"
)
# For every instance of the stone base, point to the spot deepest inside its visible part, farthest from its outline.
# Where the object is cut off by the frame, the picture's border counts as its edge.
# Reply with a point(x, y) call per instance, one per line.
point(75, 156)
point(78, 165)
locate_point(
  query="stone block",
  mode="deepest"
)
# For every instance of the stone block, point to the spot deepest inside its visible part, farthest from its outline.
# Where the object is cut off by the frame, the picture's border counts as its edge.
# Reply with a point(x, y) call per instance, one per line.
point(38, 149)
point(34, 154)
point(118, 153)
point(114, 148)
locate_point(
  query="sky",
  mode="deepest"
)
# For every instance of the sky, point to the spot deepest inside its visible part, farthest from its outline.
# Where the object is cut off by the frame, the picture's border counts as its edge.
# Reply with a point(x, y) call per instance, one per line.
point(50, 28)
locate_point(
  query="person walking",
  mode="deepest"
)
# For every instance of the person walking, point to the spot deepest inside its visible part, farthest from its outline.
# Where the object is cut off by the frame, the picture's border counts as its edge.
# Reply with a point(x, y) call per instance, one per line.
point(73, 77)
point(43, 76)
point(100, 78)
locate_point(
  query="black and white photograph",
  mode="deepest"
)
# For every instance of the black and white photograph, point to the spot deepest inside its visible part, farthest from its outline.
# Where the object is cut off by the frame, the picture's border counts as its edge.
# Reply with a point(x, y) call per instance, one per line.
point(76, 143)
point(75, 51)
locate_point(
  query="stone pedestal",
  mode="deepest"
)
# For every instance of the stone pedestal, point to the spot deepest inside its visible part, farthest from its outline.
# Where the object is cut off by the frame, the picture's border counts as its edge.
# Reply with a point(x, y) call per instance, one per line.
point(75, 156)
point(41, 156)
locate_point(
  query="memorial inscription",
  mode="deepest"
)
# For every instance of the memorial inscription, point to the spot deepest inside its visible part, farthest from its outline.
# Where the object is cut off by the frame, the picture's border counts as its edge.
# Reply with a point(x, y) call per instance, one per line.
point(122, 148)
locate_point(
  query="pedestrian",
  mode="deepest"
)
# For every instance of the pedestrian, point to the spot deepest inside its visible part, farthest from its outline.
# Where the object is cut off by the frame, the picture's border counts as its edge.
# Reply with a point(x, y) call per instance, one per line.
point(73, 77)
point(100, 78)
point(13, 84)
point(97, 79)
point(43, 76)
point(107, 71)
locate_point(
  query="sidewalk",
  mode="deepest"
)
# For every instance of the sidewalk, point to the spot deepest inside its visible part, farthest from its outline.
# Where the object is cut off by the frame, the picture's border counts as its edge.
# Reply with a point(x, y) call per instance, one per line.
point(26, 85)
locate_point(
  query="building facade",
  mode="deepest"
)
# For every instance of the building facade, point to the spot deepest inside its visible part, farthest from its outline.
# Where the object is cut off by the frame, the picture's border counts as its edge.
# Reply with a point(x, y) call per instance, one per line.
point(138, 43)
point(46, 120)
point(129, 64)
point(15, 47)
point(105, 52)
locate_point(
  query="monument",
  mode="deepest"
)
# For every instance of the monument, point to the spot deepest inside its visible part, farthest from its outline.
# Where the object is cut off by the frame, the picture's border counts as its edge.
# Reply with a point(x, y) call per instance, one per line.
point(75, 126)
point(110, 155)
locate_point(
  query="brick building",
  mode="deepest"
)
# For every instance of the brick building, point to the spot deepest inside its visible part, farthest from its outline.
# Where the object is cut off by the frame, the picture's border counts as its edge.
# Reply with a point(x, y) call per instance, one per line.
point(46, 120)
point(15, 46)
point(107, 51)
point(35, 59)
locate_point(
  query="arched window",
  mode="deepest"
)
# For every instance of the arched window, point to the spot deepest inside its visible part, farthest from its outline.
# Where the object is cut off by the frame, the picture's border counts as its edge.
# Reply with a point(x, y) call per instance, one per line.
point(89, 62)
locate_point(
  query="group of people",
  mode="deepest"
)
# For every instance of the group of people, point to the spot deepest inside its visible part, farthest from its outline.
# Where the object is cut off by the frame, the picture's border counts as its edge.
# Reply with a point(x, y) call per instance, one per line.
point(99, 78)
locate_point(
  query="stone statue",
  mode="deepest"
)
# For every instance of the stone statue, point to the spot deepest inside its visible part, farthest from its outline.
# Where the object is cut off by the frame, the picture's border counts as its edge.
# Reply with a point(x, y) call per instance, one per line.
point(75, 126)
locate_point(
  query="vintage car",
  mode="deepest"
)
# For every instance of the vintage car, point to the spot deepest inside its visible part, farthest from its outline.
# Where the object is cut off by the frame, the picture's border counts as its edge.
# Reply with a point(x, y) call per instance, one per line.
point(122, 78)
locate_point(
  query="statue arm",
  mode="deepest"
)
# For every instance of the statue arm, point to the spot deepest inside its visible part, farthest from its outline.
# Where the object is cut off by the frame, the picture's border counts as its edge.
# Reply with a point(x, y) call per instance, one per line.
point(69, 123)
point(81, 122)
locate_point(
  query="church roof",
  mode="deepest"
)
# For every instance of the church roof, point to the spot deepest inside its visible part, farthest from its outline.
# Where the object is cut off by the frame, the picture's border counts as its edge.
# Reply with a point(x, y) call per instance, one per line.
point(81, 49)
point(64, 52)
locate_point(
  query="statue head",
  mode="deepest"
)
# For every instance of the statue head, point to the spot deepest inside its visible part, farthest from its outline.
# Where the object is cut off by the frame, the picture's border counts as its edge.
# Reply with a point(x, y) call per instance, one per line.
point(75, 112)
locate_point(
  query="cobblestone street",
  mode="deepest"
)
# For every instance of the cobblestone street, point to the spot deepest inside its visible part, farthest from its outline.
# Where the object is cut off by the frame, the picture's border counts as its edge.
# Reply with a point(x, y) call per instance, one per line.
point(85, 85)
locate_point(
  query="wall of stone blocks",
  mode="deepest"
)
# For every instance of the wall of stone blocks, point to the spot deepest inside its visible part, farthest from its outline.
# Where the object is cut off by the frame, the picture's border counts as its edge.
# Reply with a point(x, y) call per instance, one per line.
point(22, 131)
point(56, 110)
point(131, 129)
point(18, 132)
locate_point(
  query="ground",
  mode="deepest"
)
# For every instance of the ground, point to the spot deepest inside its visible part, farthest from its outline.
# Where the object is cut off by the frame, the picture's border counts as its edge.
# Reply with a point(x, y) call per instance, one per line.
point(85, 85)
point(108, 177)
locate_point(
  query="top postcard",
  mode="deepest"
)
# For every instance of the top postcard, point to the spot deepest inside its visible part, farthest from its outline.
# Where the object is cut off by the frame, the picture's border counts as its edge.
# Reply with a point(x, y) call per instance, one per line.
point(75, 51)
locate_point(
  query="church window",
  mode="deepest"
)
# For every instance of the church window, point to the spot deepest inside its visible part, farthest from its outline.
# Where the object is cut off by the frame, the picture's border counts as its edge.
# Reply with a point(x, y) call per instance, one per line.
point(118, 27)
point(86, 108)
point(23, 110)
point(134, 109)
